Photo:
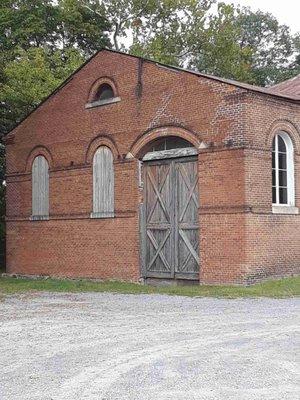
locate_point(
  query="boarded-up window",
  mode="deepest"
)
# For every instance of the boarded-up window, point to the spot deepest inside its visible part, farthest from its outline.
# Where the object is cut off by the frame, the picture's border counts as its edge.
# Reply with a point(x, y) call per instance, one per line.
point(40, 188)
point(103, 183)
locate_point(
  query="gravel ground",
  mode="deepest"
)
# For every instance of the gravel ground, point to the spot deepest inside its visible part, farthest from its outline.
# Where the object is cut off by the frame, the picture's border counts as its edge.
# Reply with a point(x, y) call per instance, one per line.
point(148, 347)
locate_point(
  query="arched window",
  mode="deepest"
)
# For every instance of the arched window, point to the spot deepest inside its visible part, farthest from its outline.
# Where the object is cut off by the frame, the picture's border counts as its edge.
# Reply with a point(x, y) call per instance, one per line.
point(104, 92)
point(103, 183)
point(40, 188)
point(283, 190)
point(168, 147)
point(169, 143)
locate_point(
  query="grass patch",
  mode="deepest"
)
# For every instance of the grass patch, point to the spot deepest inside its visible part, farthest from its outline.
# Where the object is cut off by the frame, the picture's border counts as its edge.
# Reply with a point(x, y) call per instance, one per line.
point(283, 288)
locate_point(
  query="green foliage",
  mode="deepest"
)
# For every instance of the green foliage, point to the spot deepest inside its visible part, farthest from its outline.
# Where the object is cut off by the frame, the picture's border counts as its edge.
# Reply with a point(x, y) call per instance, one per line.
point(270, 42)
point(294, 67)
point(297, 49)
point(244, 45)
point(31, 76)
point(61, 24)
point(27, 23)
point(232, 42)
point(42, 42)
point(156, 26)
point(220, 52)
point(83, 25)
point(166, 32)
point(282, 288)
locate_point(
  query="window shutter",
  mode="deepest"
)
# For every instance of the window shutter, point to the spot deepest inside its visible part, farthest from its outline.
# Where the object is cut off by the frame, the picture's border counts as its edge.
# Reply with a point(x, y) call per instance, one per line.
point(103, 183)
point(40, 188)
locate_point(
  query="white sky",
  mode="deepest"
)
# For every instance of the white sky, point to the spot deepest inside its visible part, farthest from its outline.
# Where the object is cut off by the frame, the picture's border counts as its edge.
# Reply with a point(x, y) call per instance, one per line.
point(286, 11)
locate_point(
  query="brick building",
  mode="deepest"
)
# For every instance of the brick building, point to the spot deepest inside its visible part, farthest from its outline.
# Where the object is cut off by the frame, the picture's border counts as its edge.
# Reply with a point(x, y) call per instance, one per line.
point(132, 169)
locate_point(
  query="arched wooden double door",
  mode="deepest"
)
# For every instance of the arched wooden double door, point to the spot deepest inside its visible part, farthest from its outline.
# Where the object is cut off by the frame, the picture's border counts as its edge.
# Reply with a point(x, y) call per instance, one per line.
point(170, 219)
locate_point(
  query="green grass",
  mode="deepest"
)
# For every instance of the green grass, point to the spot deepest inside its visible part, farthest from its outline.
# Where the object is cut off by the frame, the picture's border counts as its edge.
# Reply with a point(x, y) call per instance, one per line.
point(283, 288)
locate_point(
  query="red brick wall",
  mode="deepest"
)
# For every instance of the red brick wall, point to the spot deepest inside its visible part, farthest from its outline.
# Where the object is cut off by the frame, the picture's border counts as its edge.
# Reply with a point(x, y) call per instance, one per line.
point(93, 248)
point(273, 241)
point(232, 122)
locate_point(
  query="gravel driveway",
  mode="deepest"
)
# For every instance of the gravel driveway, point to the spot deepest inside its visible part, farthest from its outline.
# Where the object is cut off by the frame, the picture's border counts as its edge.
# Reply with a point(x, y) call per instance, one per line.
point(140, 347)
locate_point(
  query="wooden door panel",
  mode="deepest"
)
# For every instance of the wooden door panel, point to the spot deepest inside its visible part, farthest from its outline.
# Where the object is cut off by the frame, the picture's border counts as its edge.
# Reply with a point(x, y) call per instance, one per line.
point(158, 198)
point(187, 218)
point(159, 251)
point(187, 189)
point(188, 248)
point(170, 219)
point(158, 212)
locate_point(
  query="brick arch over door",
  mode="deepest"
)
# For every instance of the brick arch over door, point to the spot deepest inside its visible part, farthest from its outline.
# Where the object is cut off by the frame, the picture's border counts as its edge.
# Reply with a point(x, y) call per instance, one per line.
point(157, 133)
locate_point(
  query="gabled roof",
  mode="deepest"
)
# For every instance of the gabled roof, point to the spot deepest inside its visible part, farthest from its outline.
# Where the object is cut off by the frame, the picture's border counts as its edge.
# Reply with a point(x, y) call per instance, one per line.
point(253, 88)
point(291, 87)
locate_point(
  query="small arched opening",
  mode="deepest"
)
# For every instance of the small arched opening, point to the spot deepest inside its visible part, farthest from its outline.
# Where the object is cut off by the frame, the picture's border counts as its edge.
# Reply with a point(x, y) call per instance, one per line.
point(167, 147)
point(104, 92)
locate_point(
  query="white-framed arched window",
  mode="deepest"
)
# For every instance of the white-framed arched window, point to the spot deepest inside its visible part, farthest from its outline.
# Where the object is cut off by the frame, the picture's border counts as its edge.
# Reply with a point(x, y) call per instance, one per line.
point(40, 188)
point(103, 183)
point(283, 181)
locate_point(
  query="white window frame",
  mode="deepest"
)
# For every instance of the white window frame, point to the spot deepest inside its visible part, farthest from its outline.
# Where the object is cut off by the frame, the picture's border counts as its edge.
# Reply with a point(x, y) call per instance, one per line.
point(277, 207)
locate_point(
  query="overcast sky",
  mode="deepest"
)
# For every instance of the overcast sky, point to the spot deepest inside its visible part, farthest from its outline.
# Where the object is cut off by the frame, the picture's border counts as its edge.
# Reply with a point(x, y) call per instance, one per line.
point(286, 11)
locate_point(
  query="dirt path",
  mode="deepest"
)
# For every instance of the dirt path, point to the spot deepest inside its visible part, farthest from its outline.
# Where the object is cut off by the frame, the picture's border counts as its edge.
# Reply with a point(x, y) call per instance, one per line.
point(148, 347)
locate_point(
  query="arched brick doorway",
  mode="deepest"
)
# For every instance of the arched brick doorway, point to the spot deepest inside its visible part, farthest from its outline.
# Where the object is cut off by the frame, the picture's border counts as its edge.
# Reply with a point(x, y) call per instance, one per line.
point(169, 211)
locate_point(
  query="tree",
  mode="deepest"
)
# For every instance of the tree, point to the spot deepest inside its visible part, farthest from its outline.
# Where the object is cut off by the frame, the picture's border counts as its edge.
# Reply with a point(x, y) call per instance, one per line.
point(297, 49)
point(244, 45)
point(42, 42)
point(294, 67)
point(271, 45)
point(232, 42)
point(83, 25)
point(218, 51)
point(165, 34)
point(158, 29)
point(27, 23)
point(61, 24)
point(30, 78)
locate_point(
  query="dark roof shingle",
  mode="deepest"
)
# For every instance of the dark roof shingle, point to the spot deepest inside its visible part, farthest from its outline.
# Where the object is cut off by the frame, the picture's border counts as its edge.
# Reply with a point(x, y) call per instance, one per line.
point(291, 87)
